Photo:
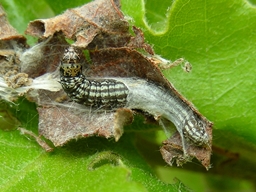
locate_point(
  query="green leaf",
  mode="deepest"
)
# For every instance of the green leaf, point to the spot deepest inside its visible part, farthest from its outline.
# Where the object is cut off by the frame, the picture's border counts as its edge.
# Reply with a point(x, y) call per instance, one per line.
point(24, 166)
point(217, 38)
point(60, 6)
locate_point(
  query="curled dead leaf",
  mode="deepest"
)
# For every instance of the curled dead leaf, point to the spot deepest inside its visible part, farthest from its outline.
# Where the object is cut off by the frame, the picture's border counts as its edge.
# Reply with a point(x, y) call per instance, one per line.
point(99, 23)
point(172, 151)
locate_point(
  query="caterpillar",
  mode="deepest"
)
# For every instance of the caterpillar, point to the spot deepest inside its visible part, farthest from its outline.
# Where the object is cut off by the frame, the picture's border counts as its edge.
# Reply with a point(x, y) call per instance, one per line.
point(96, 93)
point(134, 93)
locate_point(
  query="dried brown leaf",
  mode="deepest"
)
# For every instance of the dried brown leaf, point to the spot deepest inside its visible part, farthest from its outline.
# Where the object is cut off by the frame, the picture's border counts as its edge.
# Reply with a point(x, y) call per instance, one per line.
point(61, 125)
point(172, 151)
point(44, 57)
point(124, 62)
point(11, 46)
point(99, 23)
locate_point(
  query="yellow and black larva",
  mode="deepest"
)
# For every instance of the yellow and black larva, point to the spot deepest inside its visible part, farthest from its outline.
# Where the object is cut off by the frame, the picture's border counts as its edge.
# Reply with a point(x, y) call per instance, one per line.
point(96, 93)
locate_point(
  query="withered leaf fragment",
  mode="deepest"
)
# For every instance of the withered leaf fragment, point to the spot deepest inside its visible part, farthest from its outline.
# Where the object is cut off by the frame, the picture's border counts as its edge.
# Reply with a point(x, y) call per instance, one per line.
point(172, 151)
point(68, 125)
point(97, 25)
point(94, 25)
point(12, 44)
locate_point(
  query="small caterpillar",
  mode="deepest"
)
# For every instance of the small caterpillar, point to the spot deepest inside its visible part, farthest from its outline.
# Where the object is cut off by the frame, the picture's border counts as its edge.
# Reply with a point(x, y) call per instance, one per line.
point(96, 93)
point(134, 93)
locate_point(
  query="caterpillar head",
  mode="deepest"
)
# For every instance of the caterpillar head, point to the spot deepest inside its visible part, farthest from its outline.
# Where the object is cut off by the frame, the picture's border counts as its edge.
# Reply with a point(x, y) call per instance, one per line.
point(70, 64)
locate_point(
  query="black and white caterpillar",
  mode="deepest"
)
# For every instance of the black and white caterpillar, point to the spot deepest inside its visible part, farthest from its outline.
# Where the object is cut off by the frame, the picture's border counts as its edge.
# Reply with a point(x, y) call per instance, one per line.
point(134, 93)
point(96, 93)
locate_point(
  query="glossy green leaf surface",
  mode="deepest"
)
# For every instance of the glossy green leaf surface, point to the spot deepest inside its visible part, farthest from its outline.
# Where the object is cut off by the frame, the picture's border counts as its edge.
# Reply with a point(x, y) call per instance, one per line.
point(217, 38)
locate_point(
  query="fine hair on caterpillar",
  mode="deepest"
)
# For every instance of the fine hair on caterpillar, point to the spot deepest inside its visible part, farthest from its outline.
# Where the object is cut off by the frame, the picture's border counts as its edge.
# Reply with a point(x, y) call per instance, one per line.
point(110, 93)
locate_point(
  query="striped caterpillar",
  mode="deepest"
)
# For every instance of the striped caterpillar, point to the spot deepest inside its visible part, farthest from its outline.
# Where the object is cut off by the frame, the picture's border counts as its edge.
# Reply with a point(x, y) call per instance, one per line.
point(134, 93)
point(96, 93)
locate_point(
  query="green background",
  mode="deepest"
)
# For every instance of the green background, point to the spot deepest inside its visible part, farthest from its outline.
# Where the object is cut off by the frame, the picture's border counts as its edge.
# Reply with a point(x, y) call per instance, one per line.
point(218, 39)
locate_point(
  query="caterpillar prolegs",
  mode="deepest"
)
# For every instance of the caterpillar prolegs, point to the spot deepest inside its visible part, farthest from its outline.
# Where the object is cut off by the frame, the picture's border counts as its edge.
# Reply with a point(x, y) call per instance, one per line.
point(134, 93)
